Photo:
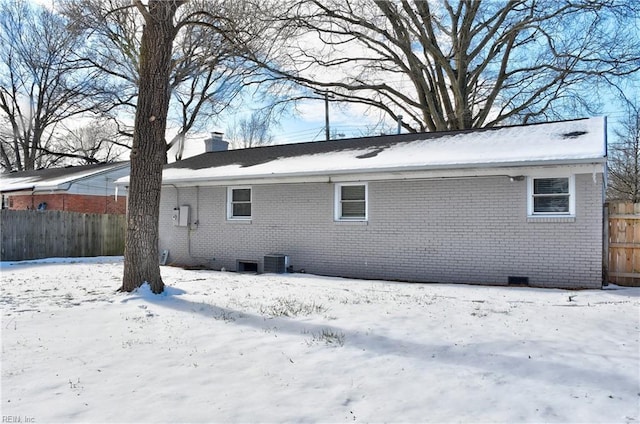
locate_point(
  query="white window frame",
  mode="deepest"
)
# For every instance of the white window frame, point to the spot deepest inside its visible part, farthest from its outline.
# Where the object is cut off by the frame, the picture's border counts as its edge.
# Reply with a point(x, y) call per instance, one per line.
point(572, 197)
point(338, 202)
point(230, 215)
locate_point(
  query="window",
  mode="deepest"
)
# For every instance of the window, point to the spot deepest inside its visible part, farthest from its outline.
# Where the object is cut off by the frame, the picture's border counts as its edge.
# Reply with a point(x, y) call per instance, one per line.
point(351, 202)
point(239, 203)
point(552, 196)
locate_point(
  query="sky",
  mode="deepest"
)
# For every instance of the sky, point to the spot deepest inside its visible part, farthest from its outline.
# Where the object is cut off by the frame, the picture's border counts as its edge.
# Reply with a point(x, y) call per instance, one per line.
point(308, 121)
point(309, 125)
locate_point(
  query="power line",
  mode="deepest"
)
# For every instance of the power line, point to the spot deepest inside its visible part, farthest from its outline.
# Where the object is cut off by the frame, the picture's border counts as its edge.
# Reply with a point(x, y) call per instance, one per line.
point(327, 96)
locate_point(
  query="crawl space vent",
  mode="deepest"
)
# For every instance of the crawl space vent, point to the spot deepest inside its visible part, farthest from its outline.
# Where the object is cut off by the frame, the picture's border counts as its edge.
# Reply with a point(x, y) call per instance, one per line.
point(518, 281)
point(247, 266)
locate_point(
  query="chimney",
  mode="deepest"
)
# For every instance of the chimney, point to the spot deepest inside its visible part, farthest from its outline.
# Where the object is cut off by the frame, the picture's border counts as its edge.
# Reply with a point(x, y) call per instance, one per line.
point(215, 143)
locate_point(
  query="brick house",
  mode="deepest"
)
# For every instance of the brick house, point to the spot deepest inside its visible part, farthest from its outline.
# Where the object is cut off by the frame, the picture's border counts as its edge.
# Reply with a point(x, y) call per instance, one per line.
point(87, 189)
point(509, 205)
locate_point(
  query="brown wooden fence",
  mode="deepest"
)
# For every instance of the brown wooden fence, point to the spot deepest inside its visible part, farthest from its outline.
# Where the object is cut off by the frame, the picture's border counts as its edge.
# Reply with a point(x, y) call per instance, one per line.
point(624, 244)
point(31, 234)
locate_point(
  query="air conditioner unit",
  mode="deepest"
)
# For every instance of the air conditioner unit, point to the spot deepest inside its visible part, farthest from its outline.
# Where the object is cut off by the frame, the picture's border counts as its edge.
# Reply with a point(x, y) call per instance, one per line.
point(276, 263)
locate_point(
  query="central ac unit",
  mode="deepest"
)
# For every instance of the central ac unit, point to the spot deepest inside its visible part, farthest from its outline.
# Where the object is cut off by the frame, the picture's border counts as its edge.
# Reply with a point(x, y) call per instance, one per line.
point(276, 263)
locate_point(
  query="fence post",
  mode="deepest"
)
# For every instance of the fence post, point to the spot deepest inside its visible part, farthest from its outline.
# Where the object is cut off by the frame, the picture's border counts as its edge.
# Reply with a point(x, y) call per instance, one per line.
point(605, 244)
point(624, 244)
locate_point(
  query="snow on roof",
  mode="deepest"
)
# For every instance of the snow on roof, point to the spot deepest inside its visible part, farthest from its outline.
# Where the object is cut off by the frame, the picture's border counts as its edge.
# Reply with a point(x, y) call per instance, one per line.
point(566, 142)
point(53, 178)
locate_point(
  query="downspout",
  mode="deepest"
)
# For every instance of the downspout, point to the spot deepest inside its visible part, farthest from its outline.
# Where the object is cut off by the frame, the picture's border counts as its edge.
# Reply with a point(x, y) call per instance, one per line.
point(194, 227)
point(177, 194)
point(605, 213)
point(605, 244)
point(178, 207)
point(106, 195)
point(64, 196)
point(197, 208)
point(189, 229)
point(189, 225)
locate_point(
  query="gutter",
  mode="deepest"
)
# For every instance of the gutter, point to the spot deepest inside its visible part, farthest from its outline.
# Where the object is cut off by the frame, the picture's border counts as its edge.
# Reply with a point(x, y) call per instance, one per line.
point(513, 169)
point(29, 189)
point(66, 184)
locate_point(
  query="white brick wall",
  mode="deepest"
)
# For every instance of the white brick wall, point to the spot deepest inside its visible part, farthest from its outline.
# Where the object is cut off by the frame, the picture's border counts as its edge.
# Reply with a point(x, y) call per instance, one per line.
point(449, 231)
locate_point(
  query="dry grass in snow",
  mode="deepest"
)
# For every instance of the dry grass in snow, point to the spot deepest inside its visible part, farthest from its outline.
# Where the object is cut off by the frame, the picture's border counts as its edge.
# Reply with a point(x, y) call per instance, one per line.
point(226, 347)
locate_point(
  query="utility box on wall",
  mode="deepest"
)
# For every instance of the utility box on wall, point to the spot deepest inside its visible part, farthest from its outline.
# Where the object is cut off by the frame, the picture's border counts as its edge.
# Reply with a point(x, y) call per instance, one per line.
point(180, 216)
point(184, 216)
point(175, 216)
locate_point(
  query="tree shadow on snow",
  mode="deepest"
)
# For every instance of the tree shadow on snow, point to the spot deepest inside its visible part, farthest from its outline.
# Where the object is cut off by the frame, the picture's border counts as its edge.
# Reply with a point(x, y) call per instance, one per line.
point(493, 358)
point(622, 290)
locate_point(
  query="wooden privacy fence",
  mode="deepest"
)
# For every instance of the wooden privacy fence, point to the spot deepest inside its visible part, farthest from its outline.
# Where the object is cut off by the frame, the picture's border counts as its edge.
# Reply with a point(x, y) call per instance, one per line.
point(624, 244)
point(31, 234)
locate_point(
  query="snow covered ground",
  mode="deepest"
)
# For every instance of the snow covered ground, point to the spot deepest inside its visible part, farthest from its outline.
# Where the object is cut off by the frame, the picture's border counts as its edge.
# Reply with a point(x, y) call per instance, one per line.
point(227, 347)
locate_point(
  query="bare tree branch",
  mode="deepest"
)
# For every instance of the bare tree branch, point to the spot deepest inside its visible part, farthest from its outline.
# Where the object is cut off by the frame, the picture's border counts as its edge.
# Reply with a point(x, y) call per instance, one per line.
point(624, 156)
point(454, 64)
point(42, 83)
point(252, 131)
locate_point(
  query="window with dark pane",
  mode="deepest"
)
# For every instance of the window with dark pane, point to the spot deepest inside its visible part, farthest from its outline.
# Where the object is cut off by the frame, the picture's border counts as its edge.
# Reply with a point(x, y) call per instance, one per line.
point(241, 203)
point(353, 201)
point(551, 195)
point(242, 209)
point(551, 186)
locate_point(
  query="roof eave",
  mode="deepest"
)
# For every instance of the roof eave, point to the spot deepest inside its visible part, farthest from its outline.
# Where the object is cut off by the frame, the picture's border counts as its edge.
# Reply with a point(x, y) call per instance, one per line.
point(17, 190)
point(66, 183)
point(317, 176)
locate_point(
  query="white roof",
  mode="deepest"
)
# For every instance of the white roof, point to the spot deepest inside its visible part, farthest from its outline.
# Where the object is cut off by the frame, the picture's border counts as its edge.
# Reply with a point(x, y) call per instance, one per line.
point(53, 178)
point(567, 142)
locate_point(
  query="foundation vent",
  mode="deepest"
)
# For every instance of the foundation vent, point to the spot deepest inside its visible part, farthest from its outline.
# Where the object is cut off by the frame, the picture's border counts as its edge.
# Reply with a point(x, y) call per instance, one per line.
point(247, 266)
point(518, 281)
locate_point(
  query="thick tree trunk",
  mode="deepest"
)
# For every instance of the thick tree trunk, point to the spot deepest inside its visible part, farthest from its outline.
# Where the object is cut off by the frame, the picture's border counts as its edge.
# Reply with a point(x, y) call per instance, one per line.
point(148, 153)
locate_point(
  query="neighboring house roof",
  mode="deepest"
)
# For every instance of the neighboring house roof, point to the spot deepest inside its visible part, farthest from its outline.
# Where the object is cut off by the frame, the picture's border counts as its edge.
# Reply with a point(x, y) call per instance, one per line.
point(581, 141)
point(54, 179)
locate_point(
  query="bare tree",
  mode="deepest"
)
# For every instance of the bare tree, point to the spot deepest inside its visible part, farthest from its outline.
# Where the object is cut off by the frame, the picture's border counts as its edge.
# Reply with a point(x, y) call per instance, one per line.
point(250, 132)
point(41, 83)
point(149, 151)
point(207, 74)
point(96, 142)
point(624, 157)
point(155, 52)
point(457, 64)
